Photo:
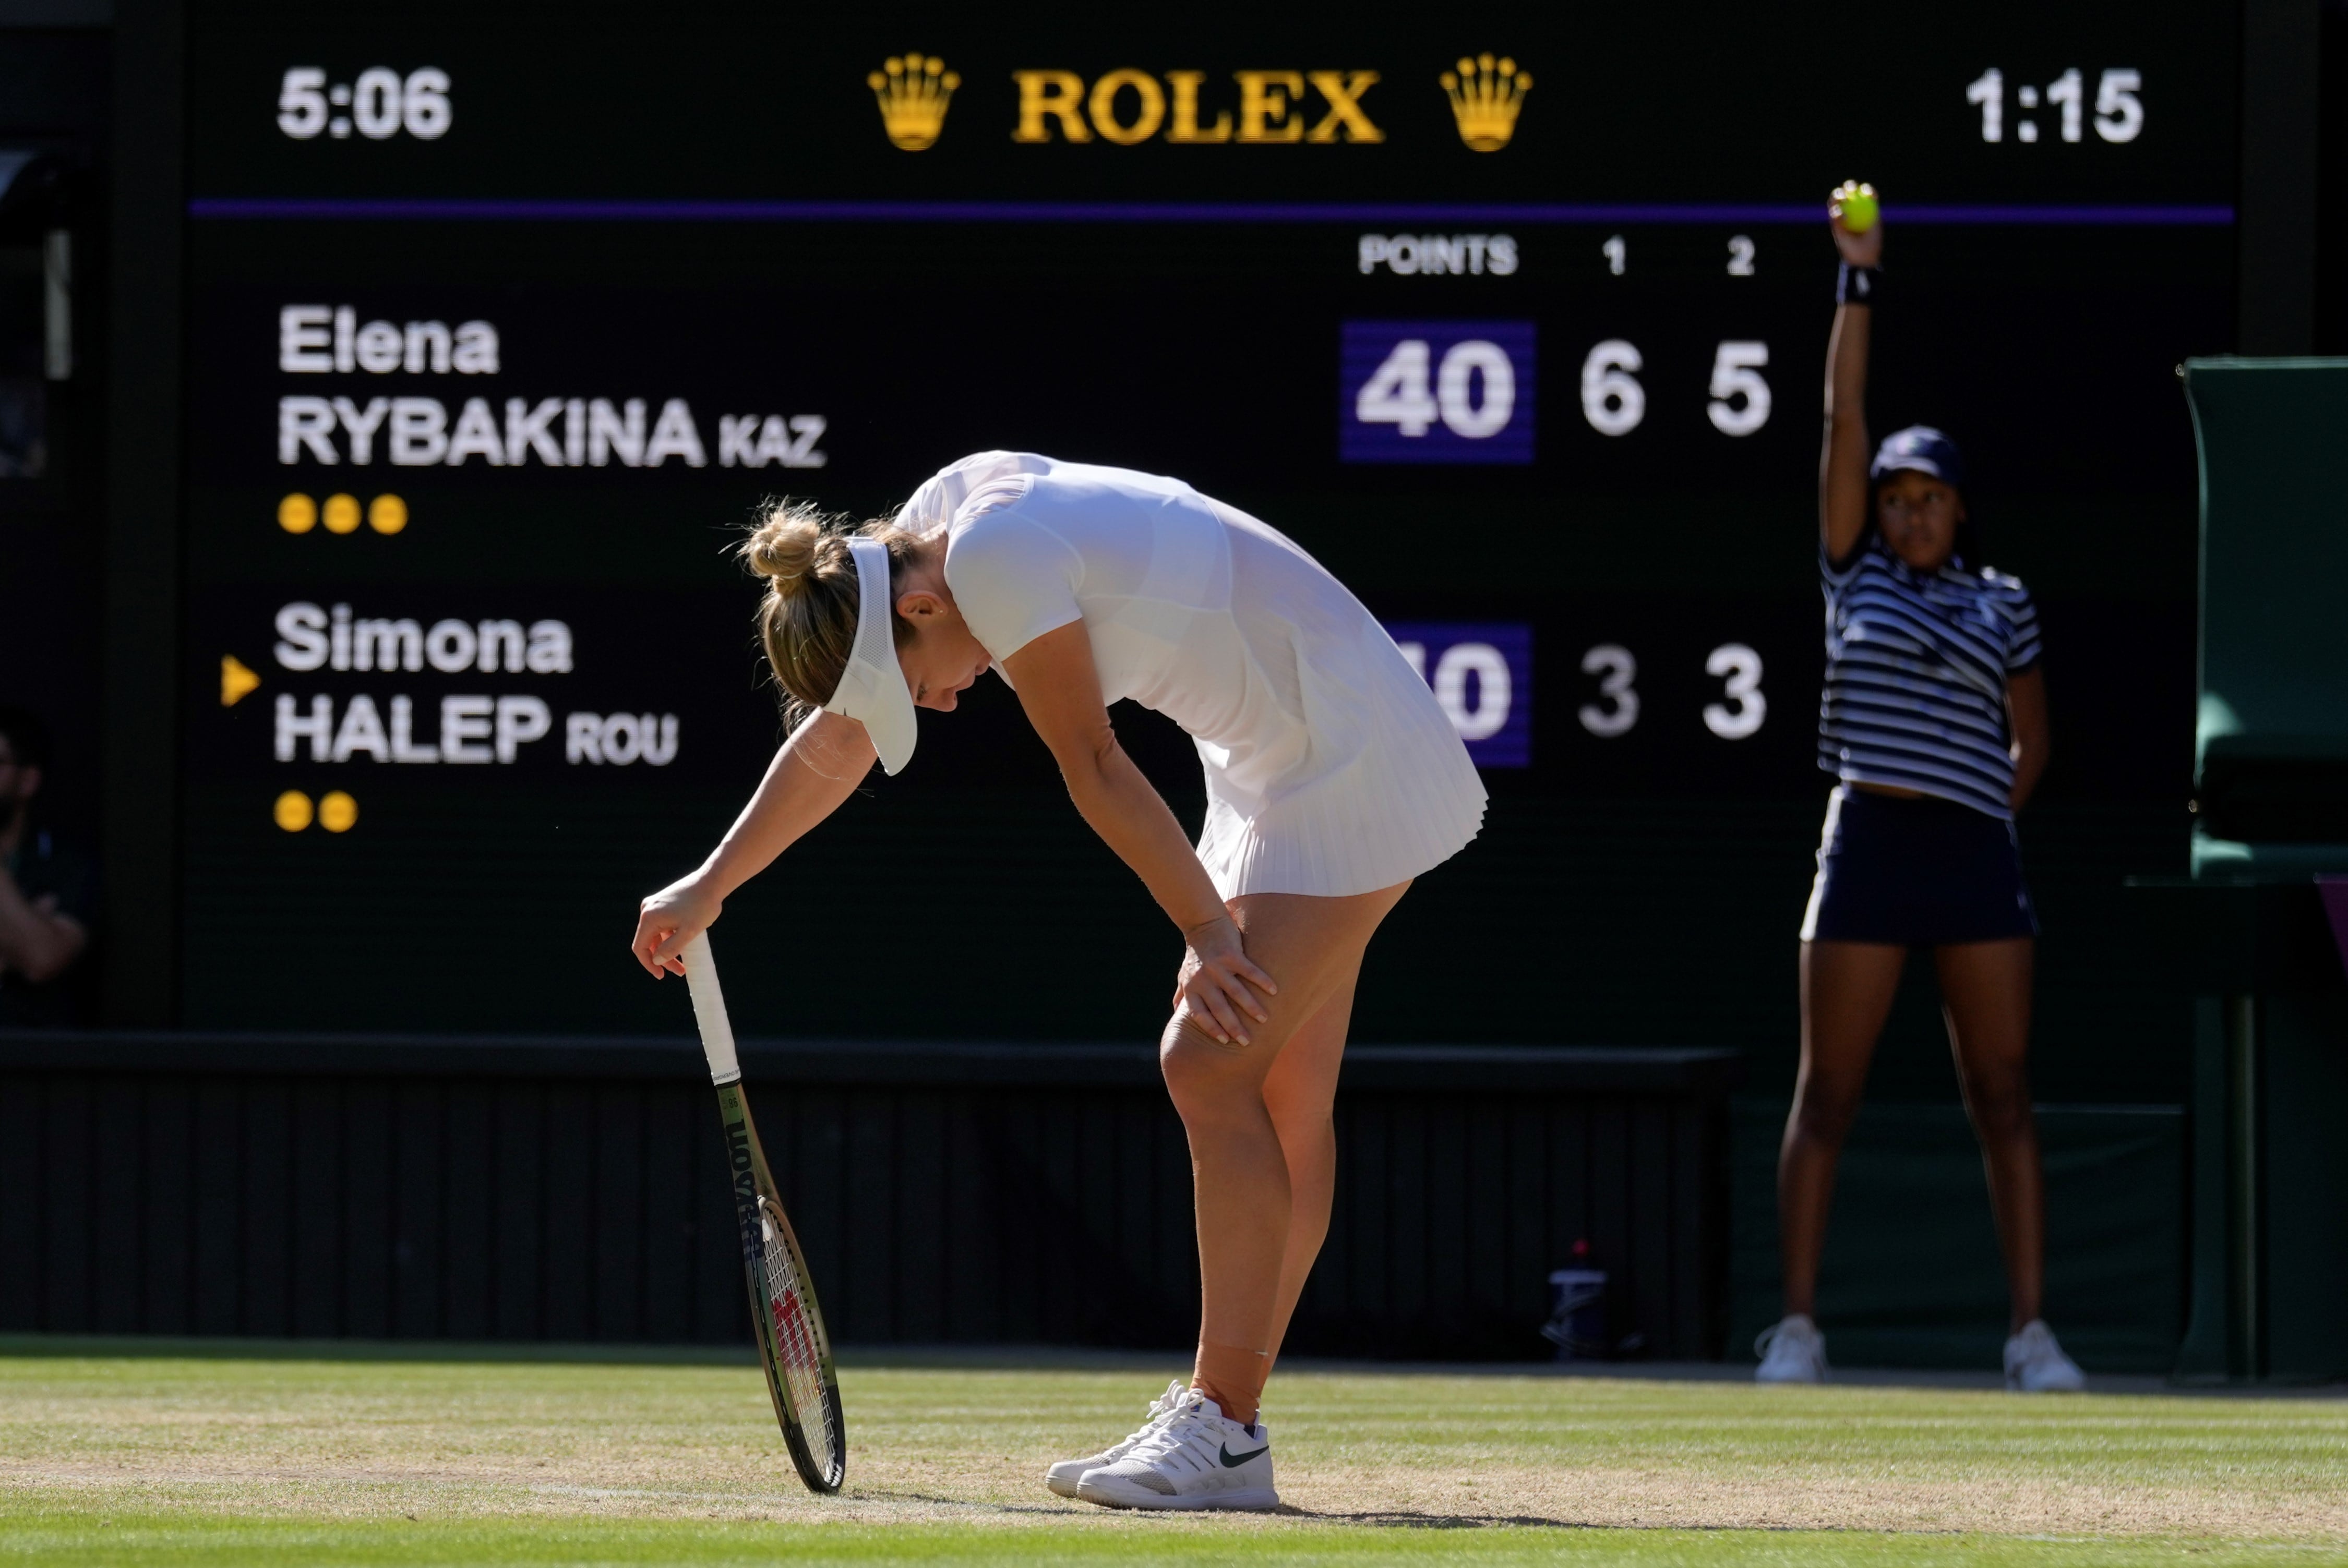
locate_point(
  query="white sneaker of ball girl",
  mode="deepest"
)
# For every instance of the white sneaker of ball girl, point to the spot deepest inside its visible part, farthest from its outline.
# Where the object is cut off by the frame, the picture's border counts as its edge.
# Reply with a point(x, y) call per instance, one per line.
point(1062, 1478)
point(1196, 1457)
point(2034, 1363)
point(1792, 1350)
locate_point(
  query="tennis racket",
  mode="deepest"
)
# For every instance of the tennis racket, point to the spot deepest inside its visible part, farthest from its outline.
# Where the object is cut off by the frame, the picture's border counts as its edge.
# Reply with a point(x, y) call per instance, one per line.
point(784, 1317)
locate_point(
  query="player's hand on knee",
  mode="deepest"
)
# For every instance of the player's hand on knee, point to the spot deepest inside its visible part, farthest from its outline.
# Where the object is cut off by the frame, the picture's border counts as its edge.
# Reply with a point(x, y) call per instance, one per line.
point(1218, 985)
point(670, 918)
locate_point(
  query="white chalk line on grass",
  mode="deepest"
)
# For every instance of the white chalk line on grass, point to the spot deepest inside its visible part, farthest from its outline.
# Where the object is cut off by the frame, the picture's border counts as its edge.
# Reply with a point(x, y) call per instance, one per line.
point(314, 1480)
point(465, 1491)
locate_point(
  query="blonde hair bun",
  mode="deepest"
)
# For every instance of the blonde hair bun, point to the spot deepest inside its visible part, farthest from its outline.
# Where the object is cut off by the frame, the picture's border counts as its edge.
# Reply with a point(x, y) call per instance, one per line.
point(787, 546)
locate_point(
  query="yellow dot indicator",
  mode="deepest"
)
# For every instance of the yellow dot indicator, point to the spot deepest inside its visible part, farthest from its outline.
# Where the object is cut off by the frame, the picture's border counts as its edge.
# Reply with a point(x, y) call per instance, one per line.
point(337, 812)
point(386, 513)
point(297, 514)
point(293, 811)
point(342, 514)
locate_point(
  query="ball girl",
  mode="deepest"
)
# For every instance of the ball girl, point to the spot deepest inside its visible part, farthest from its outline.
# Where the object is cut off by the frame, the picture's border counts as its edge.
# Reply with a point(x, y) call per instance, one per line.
point(1934, 723)
point(1333, 780)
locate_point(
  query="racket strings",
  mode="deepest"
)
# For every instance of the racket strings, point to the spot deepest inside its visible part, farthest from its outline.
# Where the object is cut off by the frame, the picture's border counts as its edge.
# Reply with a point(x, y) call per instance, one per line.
point(795, 1341)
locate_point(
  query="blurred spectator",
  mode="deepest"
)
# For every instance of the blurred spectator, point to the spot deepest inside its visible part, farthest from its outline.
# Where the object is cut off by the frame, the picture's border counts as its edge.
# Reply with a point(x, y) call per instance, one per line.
point(47, 891)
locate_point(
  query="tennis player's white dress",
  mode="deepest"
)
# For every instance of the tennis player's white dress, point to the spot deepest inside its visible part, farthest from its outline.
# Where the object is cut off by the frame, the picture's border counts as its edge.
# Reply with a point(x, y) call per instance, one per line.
point(1330, 769)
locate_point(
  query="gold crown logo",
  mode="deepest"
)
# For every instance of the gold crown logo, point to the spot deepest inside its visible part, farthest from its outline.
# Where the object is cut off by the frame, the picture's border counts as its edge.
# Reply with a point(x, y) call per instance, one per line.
point(1486, 95)
point(913, 92)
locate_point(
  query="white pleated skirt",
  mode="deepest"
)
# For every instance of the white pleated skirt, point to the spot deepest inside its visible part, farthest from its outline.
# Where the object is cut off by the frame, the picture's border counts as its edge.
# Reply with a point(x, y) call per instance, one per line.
point(1406, 800)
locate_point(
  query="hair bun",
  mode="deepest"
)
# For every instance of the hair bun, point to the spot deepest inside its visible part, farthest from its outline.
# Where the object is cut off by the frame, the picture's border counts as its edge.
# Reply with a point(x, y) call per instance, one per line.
point(786, 546)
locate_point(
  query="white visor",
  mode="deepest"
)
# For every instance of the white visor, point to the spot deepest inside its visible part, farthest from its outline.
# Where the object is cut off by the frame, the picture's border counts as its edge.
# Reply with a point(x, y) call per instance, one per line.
point(873, 689)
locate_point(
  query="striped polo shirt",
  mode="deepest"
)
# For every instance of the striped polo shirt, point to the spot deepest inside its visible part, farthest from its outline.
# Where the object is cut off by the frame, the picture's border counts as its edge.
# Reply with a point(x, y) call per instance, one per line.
point(1916, 669)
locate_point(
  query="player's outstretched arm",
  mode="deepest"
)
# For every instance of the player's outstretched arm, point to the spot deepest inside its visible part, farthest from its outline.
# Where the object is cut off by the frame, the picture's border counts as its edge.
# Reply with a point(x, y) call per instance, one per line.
point(1842, 464)
point(811, 777)
point(1060, 690)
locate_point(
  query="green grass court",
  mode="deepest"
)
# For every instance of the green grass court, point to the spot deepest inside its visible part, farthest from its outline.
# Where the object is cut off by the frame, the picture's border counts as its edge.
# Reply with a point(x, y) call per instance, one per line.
point(304, 1456)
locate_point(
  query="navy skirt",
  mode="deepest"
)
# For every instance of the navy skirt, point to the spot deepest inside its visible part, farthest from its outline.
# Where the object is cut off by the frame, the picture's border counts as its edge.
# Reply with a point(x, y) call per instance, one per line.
point(1917, 873)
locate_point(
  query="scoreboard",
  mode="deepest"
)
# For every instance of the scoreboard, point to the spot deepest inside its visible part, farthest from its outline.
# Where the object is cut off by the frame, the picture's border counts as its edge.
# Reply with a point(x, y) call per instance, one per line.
point(503, 322)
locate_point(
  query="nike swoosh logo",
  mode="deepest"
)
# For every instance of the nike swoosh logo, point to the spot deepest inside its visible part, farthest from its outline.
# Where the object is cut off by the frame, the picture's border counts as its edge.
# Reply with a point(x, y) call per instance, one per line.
point(1232, 1460)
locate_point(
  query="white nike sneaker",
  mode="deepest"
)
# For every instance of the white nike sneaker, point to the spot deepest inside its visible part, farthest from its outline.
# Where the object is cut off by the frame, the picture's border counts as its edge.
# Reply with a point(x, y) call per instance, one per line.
point(1195, 1458)
point(2034, 1363)
point(1062, 1478)
point(1792, 1350)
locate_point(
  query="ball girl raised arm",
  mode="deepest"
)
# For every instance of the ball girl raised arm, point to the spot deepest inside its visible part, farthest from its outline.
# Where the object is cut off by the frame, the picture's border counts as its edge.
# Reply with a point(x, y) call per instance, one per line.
point(1934, 723)
point(1333, 780)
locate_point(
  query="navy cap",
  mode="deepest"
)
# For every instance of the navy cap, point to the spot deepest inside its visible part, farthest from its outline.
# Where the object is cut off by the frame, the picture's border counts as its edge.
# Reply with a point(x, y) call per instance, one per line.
point(1923, 450)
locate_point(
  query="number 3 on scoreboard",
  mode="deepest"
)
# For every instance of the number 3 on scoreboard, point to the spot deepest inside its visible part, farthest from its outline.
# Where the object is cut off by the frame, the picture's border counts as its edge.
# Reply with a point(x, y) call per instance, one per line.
point(1436, 392)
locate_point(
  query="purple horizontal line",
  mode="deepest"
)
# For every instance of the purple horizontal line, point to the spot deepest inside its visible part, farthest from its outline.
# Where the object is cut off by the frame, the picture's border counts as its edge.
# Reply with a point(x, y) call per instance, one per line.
point(461, 209)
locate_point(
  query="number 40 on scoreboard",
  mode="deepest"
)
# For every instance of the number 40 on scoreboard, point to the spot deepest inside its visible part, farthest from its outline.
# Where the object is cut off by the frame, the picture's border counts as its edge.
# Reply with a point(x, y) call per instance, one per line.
point(1436, 392)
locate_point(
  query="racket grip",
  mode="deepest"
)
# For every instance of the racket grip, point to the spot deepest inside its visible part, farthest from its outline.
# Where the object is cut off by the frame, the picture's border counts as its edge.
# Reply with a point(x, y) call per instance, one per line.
point(709, 1012)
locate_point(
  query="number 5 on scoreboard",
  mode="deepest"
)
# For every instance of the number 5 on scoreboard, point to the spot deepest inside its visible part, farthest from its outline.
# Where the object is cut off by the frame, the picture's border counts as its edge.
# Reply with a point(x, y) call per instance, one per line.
point(1436, 392)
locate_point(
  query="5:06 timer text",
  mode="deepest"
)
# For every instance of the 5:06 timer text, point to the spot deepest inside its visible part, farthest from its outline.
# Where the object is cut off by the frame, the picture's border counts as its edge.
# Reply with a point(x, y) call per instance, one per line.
point(378, 104)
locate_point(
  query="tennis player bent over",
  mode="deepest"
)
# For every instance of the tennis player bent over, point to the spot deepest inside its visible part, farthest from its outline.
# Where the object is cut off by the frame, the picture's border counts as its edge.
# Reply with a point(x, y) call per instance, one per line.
point(1333, 780)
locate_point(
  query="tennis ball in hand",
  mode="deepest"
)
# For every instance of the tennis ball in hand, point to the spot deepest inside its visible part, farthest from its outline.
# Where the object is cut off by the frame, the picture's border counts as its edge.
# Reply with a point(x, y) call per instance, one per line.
point(1855, 204)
